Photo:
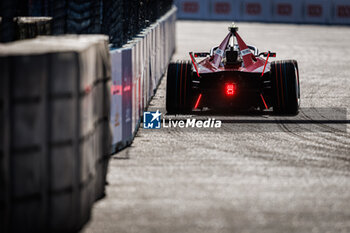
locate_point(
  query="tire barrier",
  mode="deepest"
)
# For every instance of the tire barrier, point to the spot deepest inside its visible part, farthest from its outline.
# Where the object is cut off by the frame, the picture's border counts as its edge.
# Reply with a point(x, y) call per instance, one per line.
point(30, 27)
point(113, 22)
point(75, 16)
point(120, 19)
point(137, 69)
point(83, 16)
point(290, 11)
point(55, 136)
point(124, 19)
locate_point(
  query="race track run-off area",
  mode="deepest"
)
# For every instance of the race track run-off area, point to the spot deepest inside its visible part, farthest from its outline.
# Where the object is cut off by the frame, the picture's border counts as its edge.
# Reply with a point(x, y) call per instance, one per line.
point(258, 173)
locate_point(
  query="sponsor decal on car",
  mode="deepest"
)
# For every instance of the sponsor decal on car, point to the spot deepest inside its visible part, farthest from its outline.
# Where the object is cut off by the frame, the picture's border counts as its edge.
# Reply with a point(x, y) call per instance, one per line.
point(219, 52)
point(245, 52)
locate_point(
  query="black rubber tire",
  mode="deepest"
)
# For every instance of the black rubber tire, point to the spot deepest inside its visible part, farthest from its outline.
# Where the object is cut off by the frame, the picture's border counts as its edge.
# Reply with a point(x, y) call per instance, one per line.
point(285, 86)
point(178, 90)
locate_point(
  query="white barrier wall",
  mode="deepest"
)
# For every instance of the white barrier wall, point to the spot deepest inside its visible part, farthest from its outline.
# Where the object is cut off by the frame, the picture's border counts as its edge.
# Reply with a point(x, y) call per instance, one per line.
point(290, 11)
point(121, 110)
point(136, 71)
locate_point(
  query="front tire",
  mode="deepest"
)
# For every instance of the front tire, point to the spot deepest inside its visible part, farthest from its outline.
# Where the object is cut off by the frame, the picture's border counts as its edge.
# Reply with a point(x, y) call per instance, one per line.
point(285, 86)
point(178, 89)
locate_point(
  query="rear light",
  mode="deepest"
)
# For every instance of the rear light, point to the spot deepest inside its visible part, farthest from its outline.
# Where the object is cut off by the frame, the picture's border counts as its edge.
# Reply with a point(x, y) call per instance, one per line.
point(197, 102)
point(230, 89)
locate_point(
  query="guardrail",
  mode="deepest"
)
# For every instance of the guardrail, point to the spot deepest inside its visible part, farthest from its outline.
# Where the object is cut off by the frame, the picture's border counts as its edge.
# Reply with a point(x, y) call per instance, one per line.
point(291, 11)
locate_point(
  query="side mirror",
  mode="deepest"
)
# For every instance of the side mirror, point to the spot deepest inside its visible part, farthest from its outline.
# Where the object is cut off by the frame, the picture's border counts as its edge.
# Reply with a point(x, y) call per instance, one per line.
point(272, 54)
point(201, 54)
point(265, 54)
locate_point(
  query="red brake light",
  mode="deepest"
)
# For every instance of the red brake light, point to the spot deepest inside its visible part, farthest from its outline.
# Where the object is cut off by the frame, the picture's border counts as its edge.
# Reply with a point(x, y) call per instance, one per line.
point(230, 89)
point(197, 102)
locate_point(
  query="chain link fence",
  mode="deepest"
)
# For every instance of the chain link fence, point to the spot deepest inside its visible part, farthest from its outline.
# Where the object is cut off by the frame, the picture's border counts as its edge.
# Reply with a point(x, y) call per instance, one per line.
point(120, 19)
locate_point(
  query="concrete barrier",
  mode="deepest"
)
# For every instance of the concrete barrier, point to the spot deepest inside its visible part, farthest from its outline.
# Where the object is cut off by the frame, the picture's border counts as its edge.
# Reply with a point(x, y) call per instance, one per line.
point(55, 93)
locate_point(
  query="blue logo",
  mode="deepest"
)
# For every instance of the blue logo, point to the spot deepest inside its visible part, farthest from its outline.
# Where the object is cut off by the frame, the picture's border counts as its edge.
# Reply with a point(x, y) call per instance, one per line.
point(151, 120)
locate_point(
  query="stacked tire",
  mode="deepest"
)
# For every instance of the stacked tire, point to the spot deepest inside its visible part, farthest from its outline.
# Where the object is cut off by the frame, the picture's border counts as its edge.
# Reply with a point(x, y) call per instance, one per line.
point(179, 84)
point(59, 15)
point(76, 16)
point(80, 16)
point(113, 21)
point(285, 86)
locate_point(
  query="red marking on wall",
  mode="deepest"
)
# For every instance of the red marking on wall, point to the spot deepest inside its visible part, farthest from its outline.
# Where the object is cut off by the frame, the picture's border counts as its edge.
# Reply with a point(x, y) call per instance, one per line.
point(285, 9)
point(314, 10)
point(127, 88)
point(116, 89)
point(253, 8)
point(190, 7)
point(343, 11)
point(88, 89)
point(222, 8)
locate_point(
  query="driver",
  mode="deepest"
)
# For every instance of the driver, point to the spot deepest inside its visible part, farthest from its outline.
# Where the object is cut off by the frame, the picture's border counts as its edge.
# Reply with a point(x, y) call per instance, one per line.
point(232, 56)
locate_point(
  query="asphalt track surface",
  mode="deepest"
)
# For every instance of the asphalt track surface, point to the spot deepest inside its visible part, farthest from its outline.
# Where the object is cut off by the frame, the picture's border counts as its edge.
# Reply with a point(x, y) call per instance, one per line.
point(258, 173)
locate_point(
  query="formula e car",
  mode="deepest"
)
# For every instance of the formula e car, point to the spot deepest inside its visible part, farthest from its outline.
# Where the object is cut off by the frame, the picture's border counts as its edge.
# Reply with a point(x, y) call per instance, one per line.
point(233, 76)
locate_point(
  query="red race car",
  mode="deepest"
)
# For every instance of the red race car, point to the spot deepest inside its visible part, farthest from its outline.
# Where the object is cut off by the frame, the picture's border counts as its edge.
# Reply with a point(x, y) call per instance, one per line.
point(233, 76)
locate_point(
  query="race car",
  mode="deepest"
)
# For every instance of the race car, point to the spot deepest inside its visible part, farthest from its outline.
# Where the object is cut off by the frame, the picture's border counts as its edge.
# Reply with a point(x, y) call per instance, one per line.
point(233, 76)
